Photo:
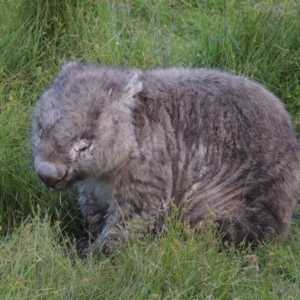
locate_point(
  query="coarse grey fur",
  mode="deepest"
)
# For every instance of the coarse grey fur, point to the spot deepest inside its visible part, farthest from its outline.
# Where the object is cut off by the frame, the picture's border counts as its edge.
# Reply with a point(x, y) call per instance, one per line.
point(138, 142)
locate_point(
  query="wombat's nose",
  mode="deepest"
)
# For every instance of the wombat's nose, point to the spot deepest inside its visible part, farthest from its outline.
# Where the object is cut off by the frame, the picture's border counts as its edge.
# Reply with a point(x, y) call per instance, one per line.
point(50, 173)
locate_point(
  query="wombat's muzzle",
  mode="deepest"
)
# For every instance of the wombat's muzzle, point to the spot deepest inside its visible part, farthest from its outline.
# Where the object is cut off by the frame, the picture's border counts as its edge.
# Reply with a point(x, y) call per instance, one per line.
point(51, 174)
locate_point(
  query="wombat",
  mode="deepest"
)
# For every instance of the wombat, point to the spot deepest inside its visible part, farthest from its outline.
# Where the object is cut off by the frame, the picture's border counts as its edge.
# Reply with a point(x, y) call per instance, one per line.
point(137, 143)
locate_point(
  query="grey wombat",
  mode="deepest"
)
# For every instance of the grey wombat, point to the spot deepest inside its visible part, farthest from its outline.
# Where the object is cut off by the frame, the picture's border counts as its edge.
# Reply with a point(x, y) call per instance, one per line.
point(138, 142)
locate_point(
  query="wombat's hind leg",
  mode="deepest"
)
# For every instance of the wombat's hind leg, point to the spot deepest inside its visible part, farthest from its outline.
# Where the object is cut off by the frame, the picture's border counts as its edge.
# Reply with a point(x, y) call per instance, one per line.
point(251, 227)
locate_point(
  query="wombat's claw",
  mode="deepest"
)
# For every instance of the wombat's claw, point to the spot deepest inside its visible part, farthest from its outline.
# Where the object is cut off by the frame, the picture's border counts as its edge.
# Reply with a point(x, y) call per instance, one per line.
point(82, 245)
point(84, 248)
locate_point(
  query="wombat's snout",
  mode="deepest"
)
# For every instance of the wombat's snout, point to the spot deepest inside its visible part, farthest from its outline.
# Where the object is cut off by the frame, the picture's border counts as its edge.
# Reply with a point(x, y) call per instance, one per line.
point(51, 174)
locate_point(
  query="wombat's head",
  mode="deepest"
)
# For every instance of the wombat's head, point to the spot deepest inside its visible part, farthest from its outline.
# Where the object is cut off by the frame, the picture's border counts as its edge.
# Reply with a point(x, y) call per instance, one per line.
point(82, 125)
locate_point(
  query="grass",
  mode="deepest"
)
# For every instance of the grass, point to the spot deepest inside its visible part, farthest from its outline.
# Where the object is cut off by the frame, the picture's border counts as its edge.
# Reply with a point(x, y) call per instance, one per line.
point(259, 39)
point(34, 265)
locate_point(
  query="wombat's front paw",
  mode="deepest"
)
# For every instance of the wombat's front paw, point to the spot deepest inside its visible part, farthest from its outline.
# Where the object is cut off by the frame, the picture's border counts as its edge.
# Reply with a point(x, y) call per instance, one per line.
point(86, 246)
point(83, 244)
point(111, 239)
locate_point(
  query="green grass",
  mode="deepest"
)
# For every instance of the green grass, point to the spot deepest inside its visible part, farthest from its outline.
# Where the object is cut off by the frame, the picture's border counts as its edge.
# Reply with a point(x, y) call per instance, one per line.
point(259, 39)
point(38, 262)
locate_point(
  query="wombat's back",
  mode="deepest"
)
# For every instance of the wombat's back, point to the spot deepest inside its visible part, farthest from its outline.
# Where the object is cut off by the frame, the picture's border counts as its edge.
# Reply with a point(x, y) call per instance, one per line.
point(236, 154)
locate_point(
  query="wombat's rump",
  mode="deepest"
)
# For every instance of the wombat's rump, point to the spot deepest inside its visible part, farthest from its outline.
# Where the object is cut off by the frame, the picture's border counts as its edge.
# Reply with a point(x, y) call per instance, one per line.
point(137, 142)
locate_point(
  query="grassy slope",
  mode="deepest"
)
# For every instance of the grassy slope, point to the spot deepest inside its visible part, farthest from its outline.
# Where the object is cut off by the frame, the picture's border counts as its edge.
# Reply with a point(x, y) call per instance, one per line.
point(259, 39)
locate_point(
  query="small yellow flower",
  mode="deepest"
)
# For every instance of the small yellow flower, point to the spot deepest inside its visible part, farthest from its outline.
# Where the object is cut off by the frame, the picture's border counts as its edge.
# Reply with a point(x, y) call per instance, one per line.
point(56, 293)
point(85, 280)
point(213, 215)
point(271, 254)
point(18, 284)
point(36, 261)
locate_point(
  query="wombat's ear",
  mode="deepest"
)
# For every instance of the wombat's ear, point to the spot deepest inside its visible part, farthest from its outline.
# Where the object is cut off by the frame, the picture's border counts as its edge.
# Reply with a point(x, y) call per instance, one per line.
point(70, 65)
point(134, 85)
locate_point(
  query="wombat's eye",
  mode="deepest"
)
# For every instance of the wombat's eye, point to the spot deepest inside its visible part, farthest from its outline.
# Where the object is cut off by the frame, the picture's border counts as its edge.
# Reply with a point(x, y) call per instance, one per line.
point(82, 145)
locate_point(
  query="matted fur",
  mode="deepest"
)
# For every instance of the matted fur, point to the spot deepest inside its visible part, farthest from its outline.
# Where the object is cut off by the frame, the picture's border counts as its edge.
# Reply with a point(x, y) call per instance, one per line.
point(137, 142)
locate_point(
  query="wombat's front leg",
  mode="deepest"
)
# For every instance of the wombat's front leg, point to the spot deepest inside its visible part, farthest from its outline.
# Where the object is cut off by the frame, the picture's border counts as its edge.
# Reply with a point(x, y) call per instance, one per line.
point(105, 226)
point(117, 227)
point(90, 235)
point(95, 213)
point(113, 219)
point(130, 221)
point(112, 234)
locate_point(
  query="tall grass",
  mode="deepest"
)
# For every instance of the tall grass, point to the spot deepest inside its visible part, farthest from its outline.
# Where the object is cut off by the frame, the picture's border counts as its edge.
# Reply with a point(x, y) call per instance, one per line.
point(259, 39)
